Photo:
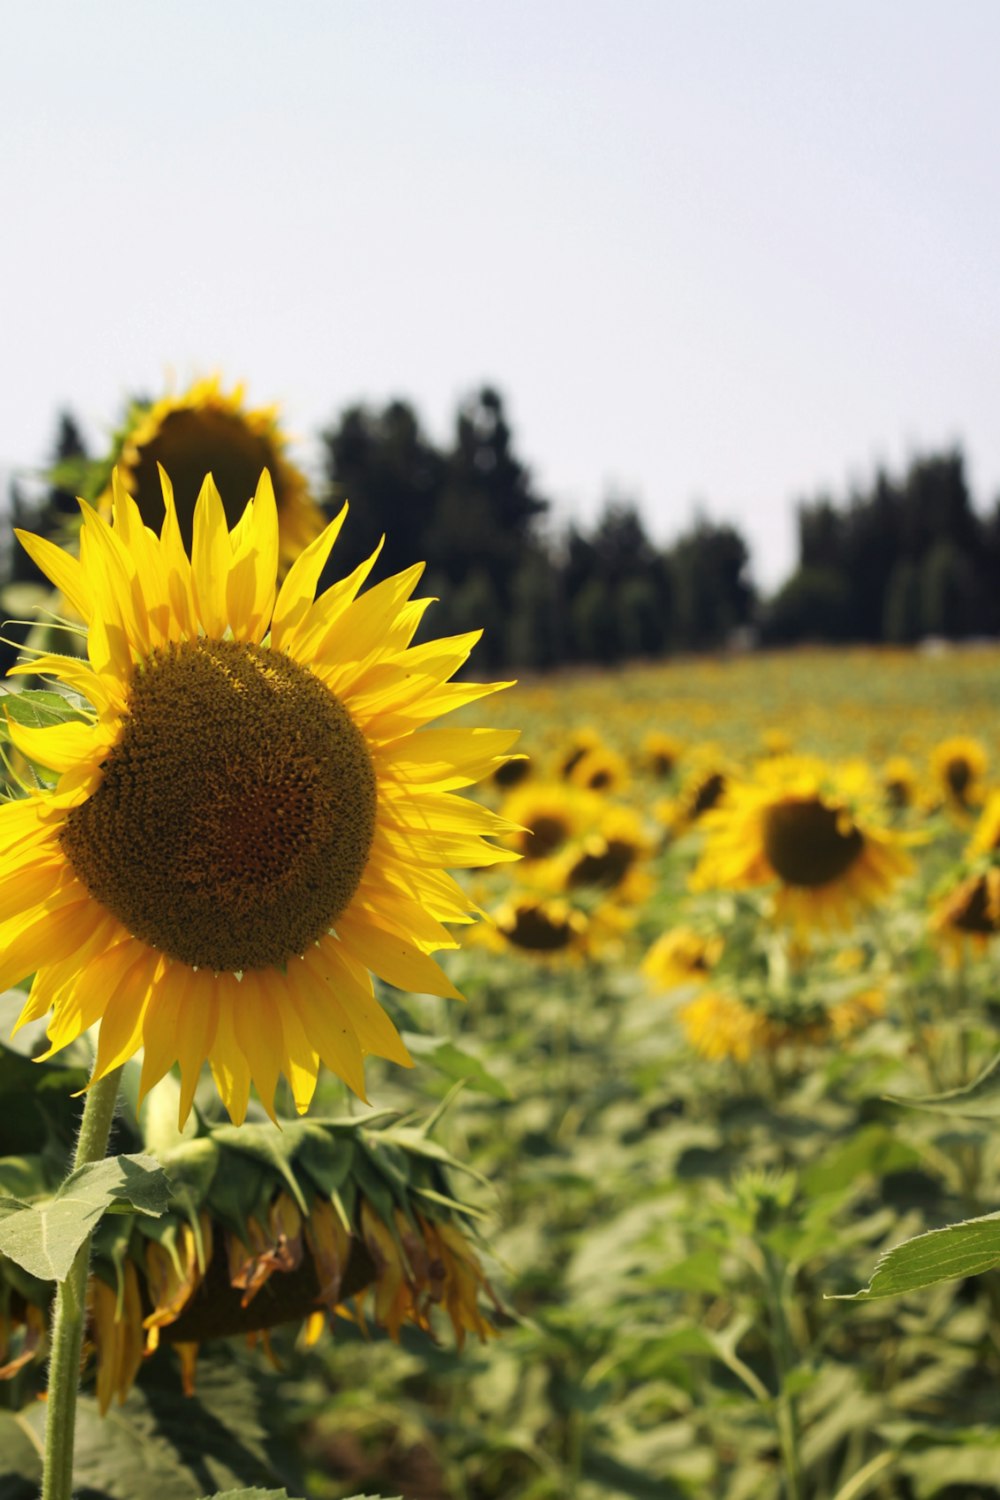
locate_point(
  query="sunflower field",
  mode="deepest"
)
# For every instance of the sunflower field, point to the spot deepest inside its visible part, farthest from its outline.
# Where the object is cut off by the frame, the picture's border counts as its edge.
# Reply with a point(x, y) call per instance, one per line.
point(622, 1222)
point(581, 1089)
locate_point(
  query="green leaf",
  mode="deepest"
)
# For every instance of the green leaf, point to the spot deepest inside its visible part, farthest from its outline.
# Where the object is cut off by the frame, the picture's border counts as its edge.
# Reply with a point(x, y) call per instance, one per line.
point(979, 1100)
point(20, 1456)
point(254, 1494)
point(455, 1064)
point(40, 707)
point(162, 1443)
point(273, 1495)
point(44, 1237)
point(37, 1098)
point(965, 1249)
point(269, 1147)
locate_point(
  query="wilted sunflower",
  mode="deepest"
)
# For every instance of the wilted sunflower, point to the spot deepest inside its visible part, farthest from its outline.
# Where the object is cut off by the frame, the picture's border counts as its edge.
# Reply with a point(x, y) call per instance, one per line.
point(800, 829)
point(252, 816)
point(203, 431)
point(958, 765)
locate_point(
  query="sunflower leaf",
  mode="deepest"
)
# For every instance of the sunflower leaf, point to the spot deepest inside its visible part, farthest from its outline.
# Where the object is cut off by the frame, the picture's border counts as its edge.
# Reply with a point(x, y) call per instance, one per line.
point(964, 1249)
point(43, 1238)
point(40, 707)
point(978, 1100)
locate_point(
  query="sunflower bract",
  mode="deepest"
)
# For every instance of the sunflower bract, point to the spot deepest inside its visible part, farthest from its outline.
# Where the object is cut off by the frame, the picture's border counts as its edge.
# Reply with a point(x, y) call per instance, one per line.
point(254, 816)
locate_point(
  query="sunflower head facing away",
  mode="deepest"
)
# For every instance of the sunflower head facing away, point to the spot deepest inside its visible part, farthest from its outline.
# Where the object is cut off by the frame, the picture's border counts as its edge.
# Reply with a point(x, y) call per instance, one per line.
point(250, 816)
point(203, 431)
point(799, 829)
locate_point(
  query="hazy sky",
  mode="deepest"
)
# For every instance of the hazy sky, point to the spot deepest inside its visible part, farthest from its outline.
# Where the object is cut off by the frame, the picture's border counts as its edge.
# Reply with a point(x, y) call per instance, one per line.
point(725, 252)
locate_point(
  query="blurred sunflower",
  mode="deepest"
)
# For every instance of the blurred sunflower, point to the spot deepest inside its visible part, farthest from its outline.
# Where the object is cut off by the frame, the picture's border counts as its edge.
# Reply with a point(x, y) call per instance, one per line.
point(203, 431)
point(969, 911)
point(659, 754)
point(899, 783)
point(800, 829)
point(600, 770)
point(702, 791)
point(512, 771)
point(609, 859)
point(543, 927)
point(720, 1026)
point(580, 741)
point(681, 956)
point(546, 815)
point(986, 834)
point(958, 766)
point(252, 817)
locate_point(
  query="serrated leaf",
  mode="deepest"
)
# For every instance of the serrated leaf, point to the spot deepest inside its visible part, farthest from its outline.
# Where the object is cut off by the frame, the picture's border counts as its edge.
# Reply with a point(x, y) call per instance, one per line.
point(965, 1249)
point(40, 707)
point(171, 1446)
point(44, 1237)
point(979, 1100)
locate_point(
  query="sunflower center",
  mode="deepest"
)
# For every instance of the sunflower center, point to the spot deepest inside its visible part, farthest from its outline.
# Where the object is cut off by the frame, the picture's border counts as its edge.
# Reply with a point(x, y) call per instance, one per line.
point(605, 864)
point(973, 908)
point(544, 836)
point(958, 774)
point(235, 815)
point(538, 930)
point(708, 794)
point(808, 843)
point(189, 445)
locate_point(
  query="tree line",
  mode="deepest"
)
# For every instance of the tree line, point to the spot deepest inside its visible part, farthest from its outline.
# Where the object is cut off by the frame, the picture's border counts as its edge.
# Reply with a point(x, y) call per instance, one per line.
point(895, 562)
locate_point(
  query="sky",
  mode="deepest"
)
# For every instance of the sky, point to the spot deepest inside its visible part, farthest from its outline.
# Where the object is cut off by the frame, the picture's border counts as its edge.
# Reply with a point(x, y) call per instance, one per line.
point(713, 254)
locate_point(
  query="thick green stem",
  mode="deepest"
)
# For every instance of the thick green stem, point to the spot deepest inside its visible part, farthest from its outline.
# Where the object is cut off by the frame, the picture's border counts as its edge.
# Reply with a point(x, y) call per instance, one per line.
point(70, 1309)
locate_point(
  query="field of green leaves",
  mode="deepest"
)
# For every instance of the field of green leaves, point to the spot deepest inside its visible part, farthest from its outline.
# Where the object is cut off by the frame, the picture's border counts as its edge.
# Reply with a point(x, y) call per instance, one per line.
point(676, 1110)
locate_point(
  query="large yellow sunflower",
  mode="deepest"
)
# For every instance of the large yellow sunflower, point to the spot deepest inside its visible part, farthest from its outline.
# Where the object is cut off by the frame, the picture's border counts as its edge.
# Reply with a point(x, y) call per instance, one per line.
point(207, 430)
point(254, 814)
point(804, 831)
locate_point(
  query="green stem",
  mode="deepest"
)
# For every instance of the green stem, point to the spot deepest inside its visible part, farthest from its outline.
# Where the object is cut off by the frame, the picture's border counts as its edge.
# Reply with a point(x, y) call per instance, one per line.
point(788, 1417)
point(70, 1309)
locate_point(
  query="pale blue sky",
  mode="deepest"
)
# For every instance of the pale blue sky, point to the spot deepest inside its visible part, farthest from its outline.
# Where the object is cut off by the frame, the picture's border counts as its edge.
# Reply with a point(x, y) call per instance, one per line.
point(727, 252)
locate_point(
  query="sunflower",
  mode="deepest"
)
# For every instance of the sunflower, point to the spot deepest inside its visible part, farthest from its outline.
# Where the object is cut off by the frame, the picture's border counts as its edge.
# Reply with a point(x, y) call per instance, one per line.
point(253, 815)
point(899, 783)
point(969, 912)
point(800, 828)
point(958, 765)
point(681, 956)
point(546, 815)
point(205, 430)
point(720, 1026)
point(702, 791)
point(660, 753)
point(600, 770)
point(580, 741)
point(541, 927)
point(986, 834)
point(609, 858)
